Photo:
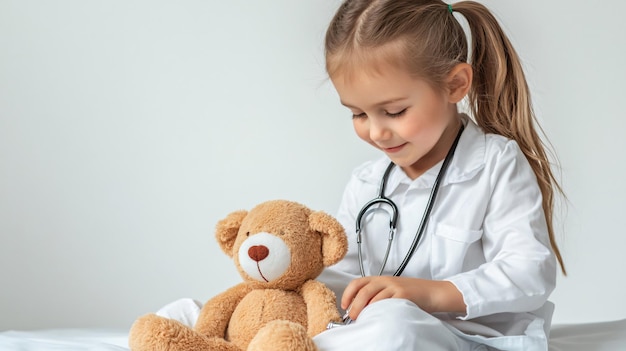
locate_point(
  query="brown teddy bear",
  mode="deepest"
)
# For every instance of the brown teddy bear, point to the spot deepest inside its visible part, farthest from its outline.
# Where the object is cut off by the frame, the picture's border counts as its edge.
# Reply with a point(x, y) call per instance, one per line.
point(279, 248)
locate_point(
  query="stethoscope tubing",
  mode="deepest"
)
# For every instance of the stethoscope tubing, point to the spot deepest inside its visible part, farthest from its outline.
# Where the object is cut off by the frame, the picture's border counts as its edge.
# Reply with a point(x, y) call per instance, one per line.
point(382, 199)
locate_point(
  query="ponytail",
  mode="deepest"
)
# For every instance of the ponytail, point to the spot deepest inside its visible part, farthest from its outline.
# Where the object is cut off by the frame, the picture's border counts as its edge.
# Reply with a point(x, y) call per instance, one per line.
point(500, 100)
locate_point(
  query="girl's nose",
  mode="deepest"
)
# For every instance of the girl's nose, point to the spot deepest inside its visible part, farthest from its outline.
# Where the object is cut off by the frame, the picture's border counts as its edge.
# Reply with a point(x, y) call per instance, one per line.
point(378, 131)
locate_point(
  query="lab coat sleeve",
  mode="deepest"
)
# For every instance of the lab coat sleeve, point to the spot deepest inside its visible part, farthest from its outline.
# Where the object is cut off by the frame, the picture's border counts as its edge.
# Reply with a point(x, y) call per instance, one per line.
point(520, 269)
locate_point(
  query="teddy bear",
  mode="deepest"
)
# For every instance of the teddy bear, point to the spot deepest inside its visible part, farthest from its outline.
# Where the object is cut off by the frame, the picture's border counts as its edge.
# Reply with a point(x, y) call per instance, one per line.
point(279, 248)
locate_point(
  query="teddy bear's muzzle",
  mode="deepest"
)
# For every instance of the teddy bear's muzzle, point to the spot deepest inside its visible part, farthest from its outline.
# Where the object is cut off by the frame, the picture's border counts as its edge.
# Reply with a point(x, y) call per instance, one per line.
point(264, 257)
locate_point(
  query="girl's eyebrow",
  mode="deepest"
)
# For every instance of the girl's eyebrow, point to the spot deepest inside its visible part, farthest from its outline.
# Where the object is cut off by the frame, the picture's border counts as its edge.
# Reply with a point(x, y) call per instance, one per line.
point(377, 104)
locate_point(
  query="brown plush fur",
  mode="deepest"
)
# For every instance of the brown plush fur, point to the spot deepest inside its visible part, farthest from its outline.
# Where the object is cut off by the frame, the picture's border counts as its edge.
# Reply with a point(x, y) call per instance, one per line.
point(281, 314)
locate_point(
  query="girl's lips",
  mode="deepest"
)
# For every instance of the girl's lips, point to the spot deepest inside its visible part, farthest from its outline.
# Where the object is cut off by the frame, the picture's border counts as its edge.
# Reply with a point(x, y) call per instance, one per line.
point(394, 149)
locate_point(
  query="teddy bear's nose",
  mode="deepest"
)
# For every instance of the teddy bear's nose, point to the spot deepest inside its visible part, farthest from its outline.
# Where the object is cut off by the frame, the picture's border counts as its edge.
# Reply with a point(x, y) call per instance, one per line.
point(258, 253)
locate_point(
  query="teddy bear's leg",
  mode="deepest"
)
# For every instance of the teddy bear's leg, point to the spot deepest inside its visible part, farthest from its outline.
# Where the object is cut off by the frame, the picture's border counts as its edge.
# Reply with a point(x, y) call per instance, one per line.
point(282, 335)
point(154, 333)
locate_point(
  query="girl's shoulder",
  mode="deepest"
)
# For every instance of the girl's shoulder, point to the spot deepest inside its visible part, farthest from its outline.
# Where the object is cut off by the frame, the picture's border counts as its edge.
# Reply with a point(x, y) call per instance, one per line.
point(487, 148)
point(496, 145)
point(504, 156)
point(478, 151)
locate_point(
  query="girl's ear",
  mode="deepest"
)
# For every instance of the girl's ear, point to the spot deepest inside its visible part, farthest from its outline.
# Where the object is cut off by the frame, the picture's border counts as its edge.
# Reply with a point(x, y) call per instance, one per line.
point(459, 82)
point(227, 229)
point(334, 241)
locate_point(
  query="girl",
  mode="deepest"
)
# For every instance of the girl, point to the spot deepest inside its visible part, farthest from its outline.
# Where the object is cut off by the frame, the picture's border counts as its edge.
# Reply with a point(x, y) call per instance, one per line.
point(475, 195)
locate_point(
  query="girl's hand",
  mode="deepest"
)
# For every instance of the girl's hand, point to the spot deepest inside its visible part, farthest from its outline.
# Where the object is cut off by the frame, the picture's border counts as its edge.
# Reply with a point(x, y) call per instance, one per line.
point(430, 295)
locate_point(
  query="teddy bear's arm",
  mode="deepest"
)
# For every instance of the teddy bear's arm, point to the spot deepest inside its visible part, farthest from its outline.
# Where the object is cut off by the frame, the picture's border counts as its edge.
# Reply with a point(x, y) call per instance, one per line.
point(216, 313)
point(320, 305)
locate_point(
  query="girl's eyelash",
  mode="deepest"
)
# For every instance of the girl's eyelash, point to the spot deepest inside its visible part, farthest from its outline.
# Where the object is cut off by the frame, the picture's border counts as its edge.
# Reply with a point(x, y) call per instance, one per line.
point(397, 114)
point(389, 114)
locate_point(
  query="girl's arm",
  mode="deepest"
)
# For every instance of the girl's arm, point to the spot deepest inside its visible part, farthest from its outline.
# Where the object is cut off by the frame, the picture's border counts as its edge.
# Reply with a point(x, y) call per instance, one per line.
point(520, 269)
point(430, 295)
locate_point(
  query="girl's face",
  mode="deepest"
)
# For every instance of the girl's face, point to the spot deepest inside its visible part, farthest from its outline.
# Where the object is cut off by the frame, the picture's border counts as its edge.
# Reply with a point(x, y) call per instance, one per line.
point(400, 115)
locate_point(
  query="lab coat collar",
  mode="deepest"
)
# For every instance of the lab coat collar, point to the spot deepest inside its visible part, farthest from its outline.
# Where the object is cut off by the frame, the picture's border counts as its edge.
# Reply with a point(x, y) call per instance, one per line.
point(468, 161)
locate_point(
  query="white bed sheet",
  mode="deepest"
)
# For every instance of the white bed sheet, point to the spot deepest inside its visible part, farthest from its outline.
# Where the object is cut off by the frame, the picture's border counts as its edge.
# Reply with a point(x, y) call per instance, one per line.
point(604, 336)
point(65, 339)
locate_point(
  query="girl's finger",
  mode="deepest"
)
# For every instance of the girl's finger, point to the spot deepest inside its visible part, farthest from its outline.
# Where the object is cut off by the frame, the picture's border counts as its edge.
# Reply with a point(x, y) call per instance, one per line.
point(364, 296)
point(383, 294)
point(351, 290)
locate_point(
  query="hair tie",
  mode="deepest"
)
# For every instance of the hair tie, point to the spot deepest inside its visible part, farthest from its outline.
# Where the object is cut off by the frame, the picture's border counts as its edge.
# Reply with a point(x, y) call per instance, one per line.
point(450, 8)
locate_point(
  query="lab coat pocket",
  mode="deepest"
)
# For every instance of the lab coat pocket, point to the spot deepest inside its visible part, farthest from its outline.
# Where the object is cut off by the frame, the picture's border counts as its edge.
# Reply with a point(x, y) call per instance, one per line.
point(450, 247)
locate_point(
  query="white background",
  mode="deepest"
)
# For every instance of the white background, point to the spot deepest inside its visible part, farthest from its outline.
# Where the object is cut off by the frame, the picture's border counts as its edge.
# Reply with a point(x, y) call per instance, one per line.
point(129, 128)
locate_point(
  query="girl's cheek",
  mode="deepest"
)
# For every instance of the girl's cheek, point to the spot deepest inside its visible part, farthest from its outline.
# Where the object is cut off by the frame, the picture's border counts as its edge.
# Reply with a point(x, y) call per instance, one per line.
point(361, 130)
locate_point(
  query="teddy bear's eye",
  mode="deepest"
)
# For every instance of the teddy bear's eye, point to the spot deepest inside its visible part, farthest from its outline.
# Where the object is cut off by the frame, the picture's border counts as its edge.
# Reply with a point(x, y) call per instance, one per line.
point(247, 233)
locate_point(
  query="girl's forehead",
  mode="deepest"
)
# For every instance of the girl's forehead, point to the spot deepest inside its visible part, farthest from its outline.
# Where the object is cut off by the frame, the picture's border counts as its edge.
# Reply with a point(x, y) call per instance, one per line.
point(366, 74)
point(370, 61)
point(379, 75)
point(367, 86)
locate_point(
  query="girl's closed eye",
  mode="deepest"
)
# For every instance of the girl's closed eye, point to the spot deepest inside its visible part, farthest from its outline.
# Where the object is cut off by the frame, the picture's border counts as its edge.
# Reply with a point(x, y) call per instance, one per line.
point(395, 114)
point(387, 113)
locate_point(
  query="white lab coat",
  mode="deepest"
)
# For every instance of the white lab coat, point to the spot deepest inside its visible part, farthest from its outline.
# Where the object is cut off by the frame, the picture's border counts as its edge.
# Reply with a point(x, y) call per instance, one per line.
point(487, 235)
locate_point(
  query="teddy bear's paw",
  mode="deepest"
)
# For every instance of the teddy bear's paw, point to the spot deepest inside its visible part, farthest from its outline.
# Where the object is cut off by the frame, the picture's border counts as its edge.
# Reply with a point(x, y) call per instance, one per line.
point(154, 333)
point(282, 335)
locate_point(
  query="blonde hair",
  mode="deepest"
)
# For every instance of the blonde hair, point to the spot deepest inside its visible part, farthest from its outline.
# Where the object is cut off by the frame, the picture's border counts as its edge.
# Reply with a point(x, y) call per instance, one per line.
point(424, 37)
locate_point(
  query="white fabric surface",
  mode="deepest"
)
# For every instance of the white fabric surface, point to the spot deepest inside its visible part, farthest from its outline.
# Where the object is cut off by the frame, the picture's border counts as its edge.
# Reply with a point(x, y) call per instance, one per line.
point(601, 336)
point(185, 311)
point(394, 324)
point(65, 340)
point(604, 336)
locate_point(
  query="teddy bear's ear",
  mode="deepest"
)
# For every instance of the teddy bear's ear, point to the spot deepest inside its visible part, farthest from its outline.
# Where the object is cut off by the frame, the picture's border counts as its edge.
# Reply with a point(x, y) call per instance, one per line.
point(334, 241)
point(227, 229)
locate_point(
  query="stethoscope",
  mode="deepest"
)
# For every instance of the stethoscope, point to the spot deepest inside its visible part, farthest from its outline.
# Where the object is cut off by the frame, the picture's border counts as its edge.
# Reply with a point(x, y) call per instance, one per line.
point(382, 199)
